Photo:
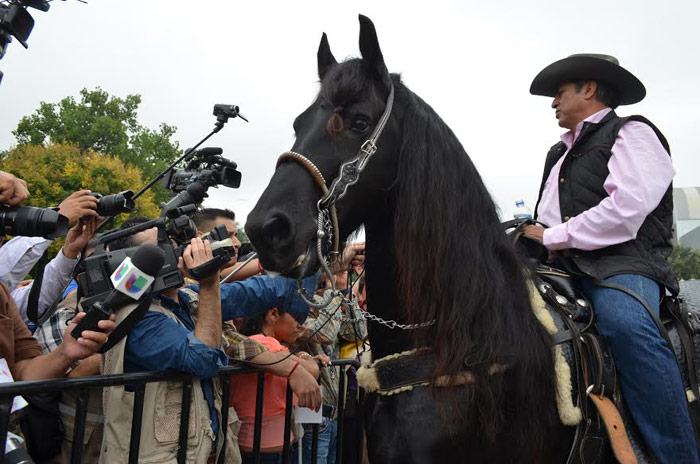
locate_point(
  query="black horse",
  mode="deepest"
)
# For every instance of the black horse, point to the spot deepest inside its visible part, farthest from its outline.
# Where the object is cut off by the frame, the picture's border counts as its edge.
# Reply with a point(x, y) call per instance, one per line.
point(435, 251)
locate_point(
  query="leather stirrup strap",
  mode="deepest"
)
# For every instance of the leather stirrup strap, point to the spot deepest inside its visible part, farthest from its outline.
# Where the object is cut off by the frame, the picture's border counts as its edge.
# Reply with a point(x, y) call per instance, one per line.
point(619, 441)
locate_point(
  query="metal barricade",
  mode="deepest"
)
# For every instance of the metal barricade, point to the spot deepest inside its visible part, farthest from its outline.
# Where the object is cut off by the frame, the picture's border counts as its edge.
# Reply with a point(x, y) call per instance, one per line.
point(138, 382)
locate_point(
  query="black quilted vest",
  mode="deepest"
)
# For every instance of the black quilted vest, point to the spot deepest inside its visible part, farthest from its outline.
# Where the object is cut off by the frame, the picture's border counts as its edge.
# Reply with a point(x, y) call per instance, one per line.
point(581, 180)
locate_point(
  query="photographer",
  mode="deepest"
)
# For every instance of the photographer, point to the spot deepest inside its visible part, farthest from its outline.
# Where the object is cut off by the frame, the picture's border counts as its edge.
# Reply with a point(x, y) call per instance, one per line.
point(19, 255)
point(181, 331)
point(238, 346)
point(206, 219)
point(17, 346)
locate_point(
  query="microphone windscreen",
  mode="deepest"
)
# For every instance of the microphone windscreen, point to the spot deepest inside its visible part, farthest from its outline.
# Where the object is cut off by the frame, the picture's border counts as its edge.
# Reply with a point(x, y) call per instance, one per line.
point(148, 259)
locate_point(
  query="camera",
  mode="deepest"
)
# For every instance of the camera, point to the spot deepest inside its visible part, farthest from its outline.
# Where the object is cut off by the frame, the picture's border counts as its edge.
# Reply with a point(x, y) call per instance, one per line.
point(118, 203)
point(206, 168)
point(32, 222)
point(16, 21)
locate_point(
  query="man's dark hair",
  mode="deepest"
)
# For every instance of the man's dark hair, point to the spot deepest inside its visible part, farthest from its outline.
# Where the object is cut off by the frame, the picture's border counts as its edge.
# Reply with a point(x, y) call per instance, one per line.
point(128, 241)
point(604, 93)
point(205, 217)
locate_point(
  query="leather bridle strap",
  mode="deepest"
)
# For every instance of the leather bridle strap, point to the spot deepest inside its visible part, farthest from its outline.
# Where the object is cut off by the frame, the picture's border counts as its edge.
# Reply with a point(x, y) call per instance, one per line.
point(308, 164)
point(321, 182)
point(348, 174)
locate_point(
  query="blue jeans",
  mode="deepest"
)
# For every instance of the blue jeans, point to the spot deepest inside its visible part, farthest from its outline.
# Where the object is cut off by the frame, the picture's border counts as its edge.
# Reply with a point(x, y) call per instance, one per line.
point(649, 376)
point(272, 458)
point(327, 434)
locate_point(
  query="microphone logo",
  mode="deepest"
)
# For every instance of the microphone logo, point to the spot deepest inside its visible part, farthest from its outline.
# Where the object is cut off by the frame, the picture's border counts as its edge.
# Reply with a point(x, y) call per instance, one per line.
point(130, 280)
point(135, 283)
point(122, 271)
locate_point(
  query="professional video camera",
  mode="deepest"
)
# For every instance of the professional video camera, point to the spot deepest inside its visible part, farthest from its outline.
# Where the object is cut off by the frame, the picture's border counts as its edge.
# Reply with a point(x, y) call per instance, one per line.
point(16, 21)
point(206, 168)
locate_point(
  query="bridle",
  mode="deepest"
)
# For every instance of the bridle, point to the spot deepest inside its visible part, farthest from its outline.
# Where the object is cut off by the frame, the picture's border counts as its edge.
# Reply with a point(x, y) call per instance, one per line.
point(348, 174)
point(327, 222)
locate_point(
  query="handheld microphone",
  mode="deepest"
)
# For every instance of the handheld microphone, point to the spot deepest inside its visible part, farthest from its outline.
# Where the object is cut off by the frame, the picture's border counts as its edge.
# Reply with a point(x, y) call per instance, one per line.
point(131, 281)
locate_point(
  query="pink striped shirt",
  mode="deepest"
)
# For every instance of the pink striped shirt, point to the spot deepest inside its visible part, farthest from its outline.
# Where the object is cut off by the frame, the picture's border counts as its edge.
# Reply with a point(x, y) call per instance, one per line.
point(640, 173)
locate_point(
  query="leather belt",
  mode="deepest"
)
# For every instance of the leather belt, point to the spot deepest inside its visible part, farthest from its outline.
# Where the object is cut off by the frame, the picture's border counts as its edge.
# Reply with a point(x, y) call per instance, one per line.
point(328, 411)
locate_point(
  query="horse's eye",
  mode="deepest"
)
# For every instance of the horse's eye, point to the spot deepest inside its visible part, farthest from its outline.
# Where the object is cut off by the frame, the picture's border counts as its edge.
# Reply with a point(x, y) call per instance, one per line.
point(360, 124)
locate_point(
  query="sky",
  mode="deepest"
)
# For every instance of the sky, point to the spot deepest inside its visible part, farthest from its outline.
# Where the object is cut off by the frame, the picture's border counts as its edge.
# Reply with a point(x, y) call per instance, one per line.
point(472, 61)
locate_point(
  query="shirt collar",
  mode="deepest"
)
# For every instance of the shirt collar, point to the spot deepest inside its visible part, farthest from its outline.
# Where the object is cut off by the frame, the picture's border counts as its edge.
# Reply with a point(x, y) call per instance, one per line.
point(570, 136)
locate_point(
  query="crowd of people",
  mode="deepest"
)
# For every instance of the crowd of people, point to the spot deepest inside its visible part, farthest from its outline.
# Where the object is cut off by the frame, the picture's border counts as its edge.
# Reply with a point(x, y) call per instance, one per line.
point(196, 329)
point(605, 197)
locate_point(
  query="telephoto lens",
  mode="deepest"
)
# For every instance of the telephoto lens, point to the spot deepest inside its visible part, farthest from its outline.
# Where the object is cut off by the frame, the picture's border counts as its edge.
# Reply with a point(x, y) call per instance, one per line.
point(32, 222)
point(15, 453)
point(118, 203)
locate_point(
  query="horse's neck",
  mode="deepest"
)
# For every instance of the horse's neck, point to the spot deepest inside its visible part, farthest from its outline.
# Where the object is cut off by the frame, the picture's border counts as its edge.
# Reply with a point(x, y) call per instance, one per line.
point(382, 298)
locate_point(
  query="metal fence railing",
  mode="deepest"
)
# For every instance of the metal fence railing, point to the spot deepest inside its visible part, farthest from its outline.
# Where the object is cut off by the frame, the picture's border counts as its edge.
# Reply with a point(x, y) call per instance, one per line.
point(138, 381)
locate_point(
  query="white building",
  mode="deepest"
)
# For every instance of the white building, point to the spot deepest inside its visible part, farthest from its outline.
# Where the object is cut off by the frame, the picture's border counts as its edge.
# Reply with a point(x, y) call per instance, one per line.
point(686, 216)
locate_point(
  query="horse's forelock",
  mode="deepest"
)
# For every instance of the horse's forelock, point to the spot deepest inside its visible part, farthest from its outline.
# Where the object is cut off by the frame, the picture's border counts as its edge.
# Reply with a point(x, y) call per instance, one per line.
point(348, 83)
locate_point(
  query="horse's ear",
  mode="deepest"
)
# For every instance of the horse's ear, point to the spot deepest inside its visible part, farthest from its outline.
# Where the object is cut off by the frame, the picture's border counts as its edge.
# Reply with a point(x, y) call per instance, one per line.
point(369, 47)
point(326, 60)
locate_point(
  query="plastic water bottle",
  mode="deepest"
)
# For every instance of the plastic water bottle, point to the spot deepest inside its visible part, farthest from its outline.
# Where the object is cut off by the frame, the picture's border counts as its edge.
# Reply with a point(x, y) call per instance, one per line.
point(522, 211)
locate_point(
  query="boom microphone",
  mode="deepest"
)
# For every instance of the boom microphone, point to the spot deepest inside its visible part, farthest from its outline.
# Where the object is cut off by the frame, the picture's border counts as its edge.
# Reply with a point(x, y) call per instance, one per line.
point(131, 280)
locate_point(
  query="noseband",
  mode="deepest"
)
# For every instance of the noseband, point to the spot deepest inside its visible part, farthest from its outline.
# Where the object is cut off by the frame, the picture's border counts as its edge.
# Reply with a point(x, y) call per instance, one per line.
point(348, 174)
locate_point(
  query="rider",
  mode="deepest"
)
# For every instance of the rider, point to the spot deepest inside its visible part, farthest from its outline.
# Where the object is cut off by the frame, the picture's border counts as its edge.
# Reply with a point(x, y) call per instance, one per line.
point(606, 196)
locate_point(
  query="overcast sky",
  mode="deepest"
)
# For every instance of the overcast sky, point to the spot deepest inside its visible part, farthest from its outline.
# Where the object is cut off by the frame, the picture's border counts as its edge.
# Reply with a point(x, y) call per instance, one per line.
point(473, 61)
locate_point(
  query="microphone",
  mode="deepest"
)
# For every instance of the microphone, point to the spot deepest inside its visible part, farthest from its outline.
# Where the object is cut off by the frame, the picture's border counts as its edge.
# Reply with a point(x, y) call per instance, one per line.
point(131, 281)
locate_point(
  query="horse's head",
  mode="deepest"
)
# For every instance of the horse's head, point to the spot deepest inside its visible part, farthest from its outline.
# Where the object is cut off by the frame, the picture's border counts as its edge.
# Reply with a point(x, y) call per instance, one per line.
point(350, 103)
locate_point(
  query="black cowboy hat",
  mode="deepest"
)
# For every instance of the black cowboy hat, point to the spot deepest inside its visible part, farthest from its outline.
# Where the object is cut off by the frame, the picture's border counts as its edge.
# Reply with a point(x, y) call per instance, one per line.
point(601, 68)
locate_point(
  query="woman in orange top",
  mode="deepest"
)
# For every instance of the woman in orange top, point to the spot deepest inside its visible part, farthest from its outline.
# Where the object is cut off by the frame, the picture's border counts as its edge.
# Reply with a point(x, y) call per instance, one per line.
point(269, 328)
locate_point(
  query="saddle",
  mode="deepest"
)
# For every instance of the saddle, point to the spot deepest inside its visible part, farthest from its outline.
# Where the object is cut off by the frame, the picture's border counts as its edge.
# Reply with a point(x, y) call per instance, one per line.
point(605, 422)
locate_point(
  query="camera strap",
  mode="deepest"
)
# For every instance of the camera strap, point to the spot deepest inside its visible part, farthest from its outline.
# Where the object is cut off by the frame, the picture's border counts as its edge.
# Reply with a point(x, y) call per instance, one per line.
point(33, 299)
point(125, 326)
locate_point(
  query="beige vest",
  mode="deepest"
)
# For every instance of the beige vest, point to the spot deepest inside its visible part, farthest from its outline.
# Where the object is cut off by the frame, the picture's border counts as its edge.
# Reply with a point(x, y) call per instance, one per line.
point(160, 425)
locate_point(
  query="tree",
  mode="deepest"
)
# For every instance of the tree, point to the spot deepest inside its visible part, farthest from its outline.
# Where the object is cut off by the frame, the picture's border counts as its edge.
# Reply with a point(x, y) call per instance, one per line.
point(56, 170)
point(686, 262)
point(106, 125)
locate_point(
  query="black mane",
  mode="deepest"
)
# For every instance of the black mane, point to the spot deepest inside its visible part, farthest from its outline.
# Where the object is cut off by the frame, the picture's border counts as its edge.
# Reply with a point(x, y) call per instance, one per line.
point(469, 280)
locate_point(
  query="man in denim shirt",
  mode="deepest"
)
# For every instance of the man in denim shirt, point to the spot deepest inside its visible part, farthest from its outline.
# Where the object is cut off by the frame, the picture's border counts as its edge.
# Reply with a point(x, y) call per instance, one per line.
point(193, 344)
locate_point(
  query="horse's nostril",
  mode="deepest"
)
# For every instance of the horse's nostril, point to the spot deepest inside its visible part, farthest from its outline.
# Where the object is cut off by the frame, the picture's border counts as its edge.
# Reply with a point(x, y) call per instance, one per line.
point(279, 230)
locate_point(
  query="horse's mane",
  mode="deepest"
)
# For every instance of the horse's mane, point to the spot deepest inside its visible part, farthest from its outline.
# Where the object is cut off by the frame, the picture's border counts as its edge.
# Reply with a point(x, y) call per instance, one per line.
point(467, 276)
point(468, 279)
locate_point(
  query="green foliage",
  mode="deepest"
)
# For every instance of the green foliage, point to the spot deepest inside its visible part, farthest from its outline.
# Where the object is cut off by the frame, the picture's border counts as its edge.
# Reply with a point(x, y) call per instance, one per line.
point(54, 171)
point(240, 233)
point(107, 125)
point(686, 262)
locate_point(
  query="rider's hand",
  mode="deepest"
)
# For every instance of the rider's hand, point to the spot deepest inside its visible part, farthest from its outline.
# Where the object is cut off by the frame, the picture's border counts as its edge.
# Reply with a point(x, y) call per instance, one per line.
point(534, 232)
point(13, 190)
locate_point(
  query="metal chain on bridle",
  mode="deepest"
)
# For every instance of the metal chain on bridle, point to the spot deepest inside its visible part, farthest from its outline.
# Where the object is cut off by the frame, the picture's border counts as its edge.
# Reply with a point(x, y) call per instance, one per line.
point(328, 232)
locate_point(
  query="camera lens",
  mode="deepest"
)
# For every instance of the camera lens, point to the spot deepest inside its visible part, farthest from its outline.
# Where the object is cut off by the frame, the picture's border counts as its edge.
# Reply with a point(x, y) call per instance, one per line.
point(111, 205)
point(32, 222)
